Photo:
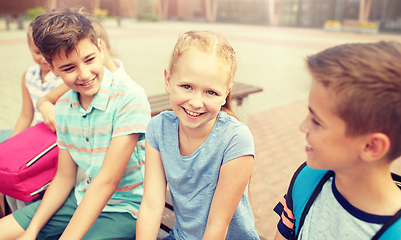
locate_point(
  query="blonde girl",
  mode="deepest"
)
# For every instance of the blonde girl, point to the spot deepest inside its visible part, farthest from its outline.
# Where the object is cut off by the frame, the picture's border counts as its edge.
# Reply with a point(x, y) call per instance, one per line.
point(202, 152)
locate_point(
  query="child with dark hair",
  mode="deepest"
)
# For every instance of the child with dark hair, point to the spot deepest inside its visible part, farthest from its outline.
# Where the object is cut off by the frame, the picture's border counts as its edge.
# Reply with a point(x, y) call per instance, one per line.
point(100, 126)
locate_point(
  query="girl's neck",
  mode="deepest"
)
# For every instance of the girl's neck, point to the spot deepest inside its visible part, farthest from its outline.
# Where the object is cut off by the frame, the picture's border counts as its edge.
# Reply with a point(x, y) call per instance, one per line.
point(370, 190)
point(191, 139)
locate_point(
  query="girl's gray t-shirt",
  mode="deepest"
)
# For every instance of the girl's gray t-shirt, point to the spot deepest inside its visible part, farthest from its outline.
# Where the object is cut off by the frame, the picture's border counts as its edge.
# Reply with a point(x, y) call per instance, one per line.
point(193, 179)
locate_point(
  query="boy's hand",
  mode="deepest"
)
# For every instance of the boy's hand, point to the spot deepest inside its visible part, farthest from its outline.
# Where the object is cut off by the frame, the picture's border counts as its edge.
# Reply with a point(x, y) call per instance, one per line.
point(48, 112)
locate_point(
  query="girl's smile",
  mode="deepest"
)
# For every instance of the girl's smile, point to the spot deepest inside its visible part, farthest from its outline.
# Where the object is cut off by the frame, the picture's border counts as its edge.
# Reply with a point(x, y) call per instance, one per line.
point(198, 88)
point(191, 113)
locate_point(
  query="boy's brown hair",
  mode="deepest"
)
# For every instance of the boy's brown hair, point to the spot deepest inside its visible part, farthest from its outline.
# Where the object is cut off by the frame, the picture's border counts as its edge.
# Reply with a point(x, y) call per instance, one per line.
point(207, 42)
point(61, 30)
point(366, 82)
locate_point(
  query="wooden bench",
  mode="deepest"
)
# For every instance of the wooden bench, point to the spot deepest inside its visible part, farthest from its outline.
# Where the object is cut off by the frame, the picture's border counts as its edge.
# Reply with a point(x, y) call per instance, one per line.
point(159, 103)
point(240, 91)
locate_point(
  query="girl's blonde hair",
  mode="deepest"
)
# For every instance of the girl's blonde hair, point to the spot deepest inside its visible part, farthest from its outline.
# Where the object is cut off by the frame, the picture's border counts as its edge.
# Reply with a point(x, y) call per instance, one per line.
point(207, 42)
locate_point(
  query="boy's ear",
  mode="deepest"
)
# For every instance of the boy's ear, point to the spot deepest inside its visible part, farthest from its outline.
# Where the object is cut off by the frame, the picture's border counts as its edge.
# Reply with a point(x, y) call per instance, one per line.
point(376, 147)
point(167, 81)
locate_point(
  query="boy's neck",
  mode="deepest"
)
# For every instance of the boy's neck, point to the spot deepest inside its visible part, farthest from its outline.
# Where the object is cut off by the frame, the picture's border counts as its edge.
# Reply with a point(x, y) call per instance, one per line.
point(371, 190)
point(85, 102)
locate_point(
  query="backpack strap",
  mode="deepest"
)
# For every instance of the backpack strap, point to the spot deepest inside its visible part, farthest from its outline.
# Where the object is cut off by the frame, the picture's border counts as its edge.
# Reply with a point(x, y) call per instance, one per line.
point(290, 188)
point(391, 229)
point(304, 187)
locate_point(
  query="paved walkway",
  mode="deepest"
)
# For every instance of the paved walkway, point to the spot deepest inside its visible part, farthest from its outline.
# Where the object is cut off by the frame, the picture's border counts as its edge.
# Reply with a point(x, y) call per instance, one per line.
point(270, 57)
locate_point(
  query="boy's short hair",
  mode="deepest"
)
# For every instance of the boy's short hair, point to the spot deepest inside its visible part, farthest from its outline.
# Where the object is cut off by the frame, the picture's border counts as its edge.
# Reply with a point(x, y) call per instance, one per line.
point(366, 82)
point(61, 30)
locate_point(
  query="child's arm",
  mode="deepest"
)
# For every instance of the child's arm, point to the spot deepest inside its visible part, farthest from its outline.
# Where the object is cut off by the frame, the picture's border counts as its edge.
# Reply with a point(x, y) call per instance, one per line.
point(26, 116)
point(102, 187)
point(45, 105)
point(233, 179)
point(152, 205)
point(55, 195)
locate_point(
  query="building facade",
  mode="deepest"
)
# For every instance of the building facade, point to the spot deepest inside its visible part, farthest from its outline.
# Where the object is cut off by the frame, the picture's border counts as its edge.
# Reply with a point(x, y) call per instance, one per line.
point(302, 13)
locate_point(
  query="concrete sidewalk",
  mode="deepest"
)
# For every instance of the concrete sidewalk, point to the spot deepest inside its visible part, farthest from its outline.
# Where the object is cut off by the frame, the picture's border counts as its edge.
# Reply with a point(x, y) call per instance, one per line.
point(269, 57)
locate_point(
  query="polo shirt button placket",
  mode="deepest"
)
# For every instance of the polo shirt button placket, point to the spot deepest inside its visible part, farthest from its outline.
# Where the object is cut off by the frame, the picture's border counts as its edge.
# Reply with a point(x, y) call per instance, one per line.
point(85, 122)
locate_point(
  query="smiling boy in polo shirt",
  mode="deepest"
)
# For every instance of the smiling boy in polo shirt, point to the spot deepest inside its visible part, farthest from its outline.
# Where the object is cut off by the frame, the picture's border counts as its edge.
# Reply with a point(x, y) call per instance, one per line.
point(100, 126)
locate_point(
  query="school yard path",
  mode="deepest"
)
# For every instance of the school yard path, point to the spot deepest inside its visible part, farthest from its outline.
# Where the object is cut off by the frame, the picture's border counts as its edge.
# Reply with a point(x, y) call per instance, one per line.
point(269, 57)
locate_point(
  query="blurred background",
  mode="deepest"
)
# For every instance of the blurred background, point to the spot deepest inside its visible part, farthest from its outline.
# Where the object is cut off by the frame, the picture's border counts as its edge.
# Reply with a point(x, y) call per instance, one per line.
point(305, 13)
point(271, 37)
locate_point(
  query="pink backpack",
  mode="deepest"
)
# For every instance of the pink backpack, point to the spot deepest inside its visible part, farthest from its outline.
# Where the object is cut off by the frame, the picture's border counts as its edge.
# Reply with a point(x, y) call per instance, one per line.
point(28, 162)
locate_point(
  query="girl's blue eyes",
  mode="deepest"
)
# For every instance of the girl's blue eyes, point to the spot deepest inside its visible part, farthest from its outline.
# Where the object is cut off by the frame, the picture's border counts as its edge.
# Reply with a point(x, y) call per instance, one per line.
point(210, 92)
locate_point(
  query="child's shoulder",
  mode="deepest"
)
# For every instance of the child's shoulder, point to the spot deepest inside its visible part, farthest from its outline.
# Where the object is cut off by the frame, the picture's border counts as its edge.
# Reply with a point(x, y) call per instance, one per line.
point(32, 71)
point(228, 122)
point(124, 83)
point(68, 98)
point(164, 117)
